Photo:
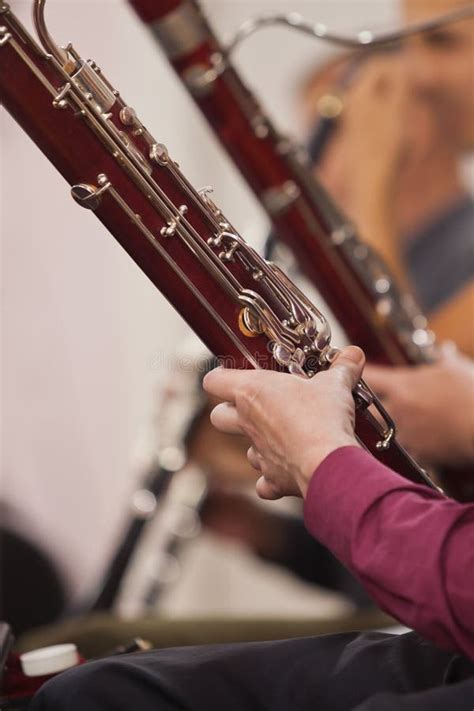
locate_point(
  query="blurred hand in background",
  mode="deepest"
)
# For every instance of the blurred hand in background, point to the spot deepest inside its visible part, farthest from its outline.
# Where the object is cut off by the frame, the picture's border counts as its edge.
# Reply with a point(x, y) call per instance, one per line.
point(433, 407)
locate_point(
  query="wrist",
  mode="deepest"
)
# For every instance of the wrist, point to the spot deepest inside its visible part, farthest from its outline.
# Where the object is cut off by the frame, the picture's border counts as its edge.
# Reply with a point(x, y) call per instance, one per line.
point(316, 457)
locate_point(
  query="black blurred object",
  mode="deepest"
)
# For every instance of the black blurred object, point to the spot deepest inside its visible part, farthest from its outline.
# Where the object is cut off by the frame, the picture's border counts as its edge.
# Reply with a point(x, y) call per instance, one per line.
point(31, 592)
point(6, 643)
point(156, 484)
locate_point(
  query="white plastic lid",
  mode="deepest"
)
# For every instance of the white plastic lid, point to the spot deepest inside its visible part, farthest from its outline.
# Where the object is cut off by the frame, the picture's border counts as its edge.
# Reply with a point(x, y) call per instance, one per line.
point(49, 660)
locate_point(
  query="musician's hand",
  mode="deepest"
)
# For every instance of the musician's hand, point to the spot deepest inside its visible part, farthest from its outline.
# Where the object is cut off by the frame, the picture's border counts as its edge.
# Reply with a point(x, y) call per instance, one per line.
point(365, 155)
point(433, 407)
point(375, 126)
point(293, 423)
point(364, 164)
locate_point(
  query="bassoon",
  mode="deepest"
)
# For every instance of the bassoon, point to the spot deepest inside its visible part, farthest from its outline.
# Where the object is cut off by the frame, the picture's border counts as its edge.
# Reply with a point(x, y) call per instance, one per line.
point(351, 278)
point(244, 309)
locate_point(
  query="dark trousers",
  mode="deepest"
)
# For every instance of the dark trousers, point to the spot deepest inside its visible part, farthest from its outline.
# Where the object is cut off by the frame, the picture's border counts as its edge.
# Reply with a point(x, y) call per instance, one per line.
point(346, 672)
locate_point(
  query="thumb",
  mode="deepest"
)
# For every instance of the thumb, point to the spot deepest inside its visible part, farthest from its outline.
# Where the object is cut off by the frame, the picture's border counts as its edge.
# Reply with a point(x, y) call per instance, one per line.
point(349, 364)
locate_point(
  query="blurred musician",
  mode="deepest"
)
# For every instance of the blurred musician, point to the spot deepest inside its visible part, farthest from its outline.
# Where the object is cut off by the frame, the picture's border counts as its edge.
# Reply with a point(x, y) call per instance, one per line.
point(394, 162)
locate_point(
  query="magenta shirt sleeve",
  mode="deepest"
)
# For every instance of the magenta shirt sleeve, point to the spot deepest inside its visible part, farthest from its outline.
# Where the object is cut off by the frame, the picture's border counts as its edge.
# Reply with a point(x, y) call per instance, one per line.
point(411, 548)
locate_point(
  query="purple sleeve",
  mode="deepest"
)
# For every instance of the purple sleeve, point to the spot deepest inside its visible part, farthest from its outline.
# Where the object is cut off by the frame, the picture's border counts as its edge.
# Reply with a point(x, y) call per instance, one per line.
point(411, 548)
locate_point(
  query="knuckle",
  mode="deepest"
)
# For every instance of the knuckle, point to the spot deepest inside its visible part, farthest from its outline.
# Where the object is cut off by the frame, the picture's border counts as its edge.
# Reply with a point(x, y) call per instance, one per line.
point(244, 392)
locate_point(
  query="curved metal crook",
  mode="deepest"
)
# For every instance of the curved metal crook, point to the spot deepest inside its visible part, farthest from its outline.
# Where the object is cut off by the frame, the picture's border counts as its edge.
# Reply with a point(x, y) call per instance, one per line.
point(46, 40)
point(364, 39)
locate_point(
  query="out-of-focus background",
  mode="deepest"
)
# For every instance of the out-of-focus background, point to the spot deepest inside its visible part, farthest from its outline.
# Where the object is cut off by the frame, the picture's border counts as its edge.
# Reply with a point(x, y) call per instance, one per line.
point(88, 343)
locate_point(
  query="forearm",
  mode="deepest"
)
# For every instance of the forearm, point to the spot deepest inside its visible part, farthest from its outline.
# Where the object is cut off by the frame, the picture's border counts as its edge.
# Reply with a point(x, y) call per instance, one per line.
point(406, 544)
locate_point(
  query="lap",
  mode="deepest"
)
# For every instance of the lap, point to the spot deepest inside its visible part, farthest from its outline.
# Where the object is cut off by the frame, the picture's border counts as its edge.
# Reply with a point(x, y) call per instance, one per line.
point(335, 672)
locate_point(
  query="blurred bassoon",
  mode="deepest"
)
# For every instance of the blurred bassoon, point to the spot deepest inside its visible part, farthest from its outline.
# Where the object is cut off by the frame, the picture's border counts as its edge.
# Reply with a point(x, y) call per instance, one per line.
point(351, 278)
point(164, 507)
point(244, 309)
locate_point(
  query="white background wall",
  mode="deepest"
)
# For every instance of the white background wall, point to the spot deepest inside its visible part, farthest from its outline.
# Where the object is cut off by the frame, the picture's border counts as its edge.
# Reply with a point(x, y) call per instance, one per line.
point(85, 337)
